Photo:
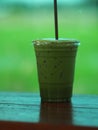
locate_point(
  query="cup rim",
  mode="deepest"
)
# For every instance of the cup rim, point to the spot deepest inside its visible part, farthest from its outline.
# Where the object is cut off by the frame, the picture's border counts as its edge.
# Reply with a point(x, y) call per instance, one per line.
point(52, 41)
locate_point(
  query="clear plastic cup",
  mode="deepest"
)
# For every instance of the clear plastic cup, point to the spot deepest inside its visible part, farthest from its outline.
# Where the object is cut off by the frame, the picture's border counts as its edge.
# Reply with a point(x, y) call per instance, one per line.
point(56, 65)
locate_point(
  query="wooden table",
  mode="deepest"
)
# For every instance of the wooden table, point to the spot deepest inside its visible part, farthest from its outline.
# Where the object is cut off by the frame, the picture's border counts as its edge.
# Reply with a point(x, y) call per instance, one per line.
point(25, 111)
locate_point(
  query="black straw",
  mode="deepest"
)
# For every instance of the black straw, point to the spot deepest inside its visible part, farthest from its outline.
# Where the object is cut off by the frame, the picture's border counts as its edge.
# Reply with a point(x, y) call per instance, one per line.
point(56, 19)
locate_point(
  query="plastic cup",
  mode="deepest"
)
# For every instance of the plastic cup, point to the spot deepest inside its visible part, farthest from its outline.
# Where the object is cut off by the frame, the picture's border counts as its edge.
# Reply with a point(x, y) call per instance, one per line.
point(55, 64)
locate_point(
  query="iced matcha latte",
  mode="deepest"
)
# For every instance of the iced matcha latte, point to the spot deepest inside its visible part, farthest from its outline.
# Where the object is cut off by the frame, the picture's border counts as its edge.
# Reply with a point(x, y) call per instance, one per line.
point(55, 64)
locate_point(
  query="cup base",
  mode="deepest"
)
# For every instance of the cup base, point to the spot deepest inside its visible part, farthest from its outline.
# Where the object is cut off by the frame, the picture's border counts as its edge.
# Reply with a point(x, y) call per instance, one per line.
point(67, 100)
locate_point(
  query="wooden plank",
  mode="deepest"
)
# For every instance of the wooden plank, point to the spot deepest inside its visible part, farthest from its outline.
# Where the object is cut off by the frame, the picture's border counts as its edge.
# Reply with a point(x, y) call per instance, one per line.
point(29, 98)
point(27, 108)
point(40, 126)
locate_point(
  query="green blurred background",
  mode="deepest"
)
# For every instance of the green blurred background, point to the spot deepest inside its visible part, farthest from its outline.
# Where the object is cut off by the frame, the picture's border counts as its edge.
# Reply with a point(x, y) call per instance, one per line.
point(22, 21)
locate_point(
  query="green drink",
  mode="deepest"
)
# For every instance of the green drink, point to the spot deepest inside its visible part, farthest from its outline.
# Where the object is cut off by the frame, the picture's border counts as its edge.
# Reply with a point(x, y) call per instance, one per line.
point(56, 65)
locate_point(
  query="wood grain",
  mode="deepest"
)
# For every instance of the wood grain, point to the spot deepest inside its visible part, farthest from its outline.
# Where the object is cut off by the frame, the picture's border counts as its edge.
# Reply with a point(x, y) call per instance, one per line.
point(17, 109)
